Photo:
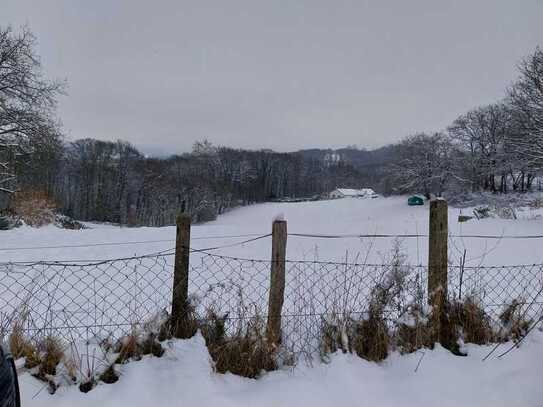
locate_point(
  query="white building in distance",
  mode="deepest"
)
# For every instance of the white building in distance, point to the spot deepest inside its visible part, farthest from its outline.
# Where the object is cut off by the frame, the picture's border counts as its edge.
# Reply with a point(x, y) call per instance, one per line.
point(353, 193)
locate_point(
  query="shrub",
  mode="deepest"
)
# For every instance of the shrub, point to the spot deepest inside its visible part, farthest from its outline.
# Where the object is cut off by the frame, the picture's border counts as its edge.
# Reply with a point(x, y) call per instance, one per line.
point(34, 208)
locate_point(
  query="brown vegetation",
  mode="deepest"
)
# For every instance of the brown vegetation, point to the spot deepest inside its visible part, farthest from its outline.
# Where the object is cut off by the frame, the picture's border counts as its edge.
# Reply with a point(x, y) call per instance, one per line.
point(35, 208)
point(246, 353)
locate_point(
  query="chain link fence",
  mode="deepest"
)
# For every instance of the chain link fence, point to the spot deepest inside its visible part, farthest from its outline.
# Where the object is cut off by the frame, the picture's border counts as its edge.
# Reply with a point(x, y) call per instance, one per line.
point(108, 299)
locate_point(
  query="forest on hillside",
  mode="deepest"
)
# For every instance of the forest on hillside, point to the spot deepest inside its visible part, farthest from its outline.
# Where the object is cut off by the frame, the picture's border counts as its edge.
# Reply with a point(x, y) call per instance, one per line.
point(496, 148)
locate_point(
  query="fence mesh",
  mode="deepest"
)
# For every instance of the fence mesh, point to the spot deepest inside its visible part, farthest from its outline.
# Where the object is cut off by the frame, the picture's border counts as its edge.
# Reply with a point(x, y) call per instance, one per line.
point(108, 299)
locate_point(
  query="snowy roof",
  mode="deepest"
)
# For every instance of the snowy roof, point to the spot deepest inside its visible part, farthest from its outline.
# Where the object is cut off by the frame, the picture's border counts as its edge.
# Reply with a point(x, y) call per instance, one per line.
point(355, 192)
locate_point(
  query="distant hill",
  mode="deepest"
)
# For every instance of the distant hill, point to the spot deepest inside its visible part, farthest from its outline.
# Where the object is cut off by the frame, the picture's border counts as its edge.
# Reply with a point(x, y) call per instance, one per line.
point(358, 158)
point(369, 165)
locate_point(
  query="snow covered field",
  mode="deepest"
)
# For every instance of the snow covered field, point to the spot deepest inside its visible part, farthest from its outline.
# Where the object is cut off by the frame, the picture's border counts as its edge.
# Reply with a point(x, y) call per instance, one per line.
point(344, 216)
point(512, 380)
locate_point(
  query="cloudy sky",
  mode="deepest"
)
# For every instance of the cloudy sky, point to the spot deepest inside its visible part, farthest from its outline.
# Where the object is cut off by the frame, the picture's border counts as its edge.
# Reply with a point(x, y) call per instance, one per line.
point(275, 74)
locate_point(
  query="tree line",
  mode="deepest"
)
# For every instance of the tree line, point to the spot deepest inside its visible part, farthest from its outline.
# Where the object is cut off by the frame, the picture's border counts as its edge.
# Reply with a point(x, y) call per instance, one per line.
point(497, 148)
point(113, 181)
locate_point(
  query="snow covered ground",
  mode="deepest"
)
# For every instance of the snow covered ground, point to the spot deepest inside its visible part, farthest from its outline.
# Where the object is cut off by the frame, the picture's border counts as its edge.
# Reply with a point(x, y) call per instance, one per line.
point(343, 216)
point(183, 377)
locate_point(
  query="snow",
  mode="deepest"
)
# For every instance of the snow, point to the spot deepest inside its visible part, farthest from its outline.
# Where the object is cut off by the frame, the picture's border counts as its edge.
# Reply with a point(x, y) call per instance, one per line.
point(184, 377)
point(344, 217)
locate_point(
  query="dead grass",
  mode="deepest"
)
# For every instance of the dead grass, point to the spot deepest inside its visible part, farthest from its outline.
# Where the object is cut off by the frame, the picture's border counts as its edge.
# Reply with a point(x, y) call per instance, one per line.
point(134, 346)
point(514, 323)
point(473, 321)
point(51, 353)
point(371, 339)
point(22, 347)
point(334, 336)
point(415, 334)
point(246, 353)
point(128, 349)
point(371, 336)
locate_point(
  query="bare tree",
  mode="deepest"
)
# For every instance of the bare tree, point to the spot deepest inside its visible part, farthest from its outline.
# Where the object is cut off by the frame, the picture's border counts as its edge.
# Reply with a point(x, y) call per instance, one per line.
point(424, 164)
point(526, 100)
point(482, 133)
point(27, 103)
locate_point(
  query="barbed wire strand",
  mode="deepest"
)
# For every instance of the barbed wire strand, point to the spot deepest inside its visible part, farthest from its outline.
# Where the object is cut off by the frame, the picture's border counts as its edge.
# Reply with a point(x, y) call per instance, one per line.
point(408, 235)
point(124, 243)
point(308, 235)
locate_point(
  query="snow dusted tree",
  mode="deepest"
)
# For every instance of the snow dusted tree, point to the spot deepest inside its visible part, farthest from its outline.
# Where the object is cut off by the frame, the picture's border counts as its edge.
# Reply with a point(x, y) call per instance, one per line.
point(424, 164)
point(526, 100)
point(27, 104)
point(482, 133)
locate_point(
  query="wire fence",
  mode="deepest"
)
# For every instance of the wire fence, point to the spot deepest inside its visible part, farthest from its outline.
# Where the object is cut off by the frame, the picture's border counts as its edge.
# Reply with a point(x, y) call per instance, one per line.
point(108, 299)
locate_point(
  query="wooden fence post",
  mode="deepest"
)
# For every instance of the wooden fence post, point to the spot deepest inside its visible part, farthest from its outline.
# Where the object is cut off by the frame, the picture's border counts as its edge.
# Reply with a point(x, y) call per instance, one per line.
point(437, 273)
point(181, 327)
point(437, 252)
point(277, 281)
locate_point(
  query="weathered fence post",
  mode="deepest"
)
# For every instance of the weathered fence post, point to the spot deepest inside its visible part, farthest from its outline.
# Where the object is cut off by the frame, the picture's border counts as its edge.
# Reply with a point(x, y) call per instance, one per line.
point(277, 281)
point(437, 272)
point(437, 251)
point(181, 327)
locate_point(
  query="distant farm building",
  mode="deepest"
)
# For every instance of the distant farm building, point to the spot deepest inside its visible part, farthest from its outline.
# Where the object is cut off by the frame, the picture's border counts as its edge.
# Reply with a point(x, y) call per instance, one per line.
point(352, 193)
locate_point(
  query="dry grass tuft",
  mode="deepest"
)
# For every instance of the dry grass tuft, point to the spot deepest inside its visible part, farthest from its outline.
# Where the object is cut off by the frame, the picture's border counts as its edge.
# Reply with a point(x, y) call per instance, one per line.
point(371, 338)
point(246, 353)
point(415, 334)
point(334, 336)
point(473, 321)
point(128, 349)
point(21, 347)
point(134, 346)
point(51, 353)
point(515, 325)
point(150, 346)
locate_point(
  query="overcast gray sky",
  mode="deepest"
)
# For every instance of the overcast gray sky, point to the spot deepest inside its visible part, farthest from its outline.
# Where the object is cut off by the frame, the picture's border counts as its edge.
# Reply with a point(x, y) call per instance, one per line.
point(275, 74)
